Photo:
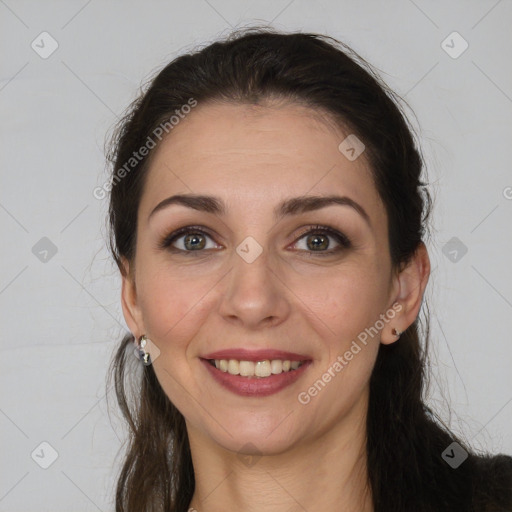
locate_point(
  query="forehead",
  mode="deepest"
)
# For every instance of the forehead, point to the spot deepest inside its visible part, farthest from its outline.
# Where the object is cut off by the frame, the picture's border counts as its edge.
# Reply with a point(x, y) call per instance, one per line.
point(257, 155)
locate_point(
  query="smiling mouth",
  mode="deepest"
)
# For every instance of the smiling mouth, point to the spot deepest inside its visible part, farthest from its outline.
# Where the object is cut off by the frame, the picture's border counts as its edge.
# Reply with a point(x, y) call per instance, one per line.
point(258, 369)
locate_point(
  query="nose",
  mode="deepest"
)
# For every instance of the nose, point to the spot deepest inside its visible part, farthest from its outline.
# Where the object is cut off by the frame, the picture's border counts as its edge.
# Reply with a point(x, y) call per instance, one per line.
point(255, 294)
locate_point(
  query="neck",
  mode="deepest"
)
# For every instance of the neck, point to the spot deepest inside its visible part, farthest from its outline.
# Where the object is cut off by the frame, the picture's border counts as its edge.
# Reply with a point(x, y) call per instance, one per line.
point(328, 474)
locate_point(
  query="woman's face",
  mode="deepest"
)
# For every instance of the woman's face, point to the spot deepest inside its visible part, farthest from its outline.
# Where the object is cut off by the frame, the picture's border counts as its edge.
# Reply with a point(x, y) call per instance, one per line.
point(254, 281)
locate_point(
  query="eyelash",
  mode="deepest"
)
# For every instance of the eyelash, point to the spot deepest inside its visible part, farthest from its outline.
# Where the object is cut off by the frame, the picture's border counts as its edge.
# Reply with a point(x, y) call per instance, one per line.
point(343, 240)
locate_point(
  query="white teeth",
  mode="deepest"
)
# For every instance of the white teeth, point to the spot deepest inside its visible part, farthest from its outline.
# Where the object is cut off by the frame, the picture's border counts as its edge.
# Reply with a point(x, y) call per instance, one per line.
point(246, 368)
point(262, 369)
point(259, 369)
point(233, 367)
point(276, 366)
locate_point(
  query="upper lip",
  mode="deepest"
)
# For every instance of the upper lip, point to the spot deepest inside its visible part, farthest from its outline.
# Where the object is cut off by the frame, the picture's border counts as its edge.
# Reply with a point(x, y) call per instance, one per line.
point(242, 354)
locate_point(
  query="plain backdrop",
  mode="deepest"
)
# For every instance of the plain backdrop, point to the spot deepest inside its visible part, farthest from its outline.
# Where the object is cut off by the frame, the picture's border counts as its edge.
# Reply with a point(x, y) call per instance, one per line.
point(60, 292)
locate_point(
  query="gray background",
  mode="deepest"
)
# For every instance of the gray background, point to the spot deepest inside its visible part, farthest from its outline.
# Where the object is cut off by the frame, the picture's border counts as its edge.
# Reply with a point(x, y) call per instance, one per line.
point(60, 313)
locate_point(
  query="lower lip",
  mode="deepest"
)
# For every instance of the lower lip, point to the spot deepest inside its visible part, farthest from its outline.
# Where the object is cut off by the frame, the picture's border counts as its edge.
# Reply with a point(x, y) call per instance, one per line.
point(255, 386)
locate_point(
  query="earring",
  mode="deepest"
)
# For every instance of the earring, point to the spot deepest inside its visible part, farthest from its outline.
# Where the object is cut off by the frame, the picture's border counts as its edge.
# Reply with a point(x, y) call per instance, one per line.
point(396, 333)
point(145, 356)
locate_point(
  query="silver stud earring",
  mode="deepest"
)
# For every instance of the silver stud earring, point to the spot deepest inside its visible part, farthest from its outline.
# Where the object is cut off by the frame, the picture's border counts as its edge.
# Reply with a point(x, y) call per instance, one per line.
point(144, 356)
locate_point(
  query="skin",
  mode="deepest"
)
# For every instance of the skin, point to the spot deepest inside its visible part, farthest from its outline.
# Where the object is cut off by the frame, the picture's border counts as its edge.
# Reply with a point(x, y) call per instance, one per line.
point(306, 457)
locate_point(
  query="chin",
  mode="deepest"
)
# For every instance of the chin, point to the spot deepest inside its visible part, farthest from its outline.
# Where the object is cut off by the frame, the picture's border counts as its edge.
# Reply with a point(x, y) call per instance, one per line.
point(248, 437)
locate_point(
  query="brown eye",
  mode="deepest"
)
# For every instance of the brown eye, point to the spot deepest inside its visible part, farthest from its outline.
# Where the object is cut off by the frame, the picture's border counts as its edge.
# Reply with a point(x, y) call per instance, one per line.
point(317, 240)
point(186, 240)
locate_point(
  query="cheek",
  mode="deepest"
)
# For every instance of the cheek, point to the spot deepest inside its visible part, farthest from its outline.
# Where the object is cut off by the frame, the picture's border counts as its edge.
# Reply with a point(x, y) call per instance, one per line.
point(174, 311)
point(346, 311)
point(346, 300)
point(172, 308)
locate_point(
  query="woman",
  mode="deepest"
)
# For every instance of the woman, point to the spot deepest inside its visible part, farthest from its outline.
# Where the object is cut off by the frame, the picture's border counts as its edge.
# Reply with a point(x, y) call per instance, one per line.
point(268, 220)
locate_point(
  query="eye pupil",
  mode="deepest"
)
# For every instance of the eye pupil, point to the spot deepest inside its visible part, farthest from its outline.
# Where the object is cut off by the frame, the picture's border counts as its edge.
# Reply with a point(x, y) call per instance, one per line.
point(194, 238)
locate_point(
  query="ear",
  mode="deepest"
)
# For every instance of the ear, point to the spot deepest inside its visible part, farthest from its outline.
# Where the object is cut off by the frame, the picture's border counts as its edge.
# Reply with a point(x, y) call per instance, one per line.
point(409, 286)
point(131, 309)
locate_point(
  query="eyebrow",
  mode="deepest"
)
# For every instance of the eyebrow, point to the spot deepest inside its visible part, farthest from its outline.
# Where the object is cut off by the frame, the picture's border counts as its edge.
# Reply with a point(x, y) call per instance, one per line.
point(292, 206)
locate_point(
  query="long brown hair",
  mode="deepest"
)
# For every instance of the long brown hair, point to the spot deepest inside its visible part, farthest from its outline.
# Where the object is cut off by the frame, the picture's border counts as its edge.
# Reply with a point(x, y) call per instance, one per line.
point(405, 438)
